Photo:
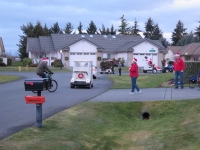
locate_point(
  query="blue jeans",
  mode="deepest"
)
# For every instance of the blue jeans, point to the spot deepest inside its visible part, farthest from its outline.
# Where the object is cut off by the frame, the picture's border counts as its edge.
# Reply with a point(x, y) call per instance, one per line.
point(178, 73)
point(134, 85)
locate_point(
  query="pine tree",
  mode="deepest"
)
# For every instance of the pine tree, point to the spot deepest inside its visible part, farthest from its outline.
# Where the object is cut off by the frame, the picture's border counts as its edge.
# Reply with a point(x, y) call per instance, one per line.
point(46, 30)
point(198, 30)
point(55, 29)
point(188, 39)
point(157, 33)
point(164, 42)
point(149, 28)
point(134, 30)
point(38, 29)
point(68, 28)
point(112, 30)
point(178, 33)
point(92, 29)
point(123, 28)
point(103, 30)
point(80, 28)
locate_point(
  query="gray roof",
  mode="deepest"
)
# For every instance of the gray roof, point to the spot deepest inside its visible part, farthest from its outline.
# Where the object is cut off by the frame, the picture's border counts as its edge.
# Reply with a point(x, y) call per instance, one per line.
point(107, 43)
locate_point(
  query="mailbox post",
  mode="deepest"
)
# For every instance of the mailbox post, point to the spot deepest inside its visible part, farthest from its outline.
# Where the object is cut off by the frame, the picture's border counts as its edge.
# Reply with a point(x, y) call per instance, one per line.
point(36, 84)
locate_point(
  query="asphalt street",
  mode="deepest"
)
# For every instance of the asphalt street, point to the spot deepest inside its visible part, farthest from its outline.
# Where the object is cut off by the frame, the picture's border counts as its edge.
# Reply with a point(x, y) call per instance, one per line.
point(16, 115)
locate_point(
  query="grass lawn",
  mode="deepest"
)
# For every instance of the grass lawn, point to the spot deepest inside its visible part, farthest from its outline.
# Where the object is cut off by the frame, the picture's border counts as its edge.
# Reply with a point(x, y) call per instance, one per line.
point(173, 125)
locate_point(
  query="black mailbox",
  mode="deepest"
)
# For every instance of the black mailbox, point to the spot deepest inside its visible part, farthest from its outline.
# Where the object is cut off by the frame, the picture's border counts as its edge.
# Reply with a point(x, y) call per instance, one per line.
point(36, 84)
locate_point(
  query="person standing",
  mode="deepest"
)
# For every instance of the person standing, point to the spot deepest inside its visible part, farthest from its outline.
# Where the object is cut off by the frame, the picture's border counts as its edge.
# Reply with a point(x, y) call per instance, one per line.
point(42, 68)
point(179, 67)
point(134, 75)
point(120, 68)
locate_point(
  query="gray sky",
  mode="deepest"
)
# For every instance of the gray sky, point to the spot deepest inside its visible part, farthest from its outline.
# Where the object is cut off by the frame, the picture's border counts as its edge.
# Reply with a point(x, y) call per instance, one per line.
point(167, 13)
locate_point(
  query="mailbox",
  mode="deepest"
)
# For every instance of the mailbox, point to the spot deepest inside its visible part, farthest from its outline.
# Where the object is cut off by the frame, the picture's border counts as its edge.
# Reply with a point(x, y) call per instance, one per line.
point(36, 84)
point(34, 99)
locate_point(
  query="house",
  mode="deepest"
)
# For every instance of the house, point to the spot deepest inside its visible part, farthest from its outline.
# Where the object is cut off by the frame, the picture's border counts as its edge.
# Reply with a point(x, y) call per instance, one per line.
point(70, 47)
point(190, 52)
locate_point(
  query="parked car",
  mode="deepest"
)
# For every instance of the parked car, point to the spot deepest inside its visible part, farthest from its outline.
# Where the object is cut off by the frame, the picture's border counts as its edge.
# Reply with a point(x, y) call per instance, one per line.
point(94, 71)
point(82, 74)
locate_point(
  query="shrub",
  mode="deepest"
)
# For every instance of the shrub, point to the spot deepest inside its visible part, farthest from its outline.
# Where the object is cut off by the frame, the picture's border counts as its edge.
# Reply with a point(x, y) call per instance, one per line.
point(52, 64)
point(27, 61)
point(34, 65)
point(57, 63)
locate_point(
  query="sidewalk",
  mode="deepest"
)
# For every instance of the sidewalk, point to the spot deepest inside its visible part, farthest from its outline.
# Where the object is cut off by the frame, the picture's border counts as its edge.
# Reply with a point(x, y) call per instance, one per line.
point(148, 94)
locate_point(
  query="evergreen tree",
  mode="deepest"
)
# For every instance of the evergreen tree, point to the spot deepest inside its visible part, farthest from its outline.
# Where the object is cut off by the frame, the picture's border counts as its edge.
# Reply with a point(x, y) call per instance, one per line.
point(68, 28)
point(178, 33)
point(134, 30)
point(92, 29)
point(188, 39)
point(38, 30)
point(46, 30)
point(112, 30)
point(198, 30)
point(55, 29)
point(28, 32)
point(164, 42)
point(103, 30)
point(157, 33)
point(80, 28)
point(123, 28)
point(149, 28)
point(107, 31)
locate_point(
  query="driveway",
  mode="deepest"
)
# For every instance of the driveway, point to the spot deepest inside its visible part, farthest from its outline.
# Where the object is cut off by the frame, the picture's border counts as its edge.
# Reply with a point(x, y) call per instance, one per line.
point(16, 115)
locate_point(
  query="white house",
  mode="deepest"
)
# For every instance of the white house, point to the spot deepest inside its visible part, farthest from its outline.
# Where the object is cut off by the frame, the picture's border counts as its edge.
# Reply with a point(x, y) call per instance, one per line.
point(69, 47)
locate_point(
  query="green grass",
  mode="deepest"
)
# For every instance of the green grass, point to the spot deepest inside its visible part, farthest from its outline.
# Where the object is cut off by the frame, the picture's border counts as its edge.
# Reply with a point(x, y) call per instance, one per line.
point(7, 78)
point(143, 81)
point(115, 126)
point(173, 125)
point(18, 66)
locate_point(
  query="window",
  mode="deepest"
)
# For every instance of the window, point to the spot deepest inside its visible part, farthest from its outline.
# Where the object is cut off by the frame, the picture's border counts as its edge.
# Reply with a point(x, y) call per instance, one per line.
point(92, 53)
point(79, 53)
point(72, 53)
point(108, 56)
point(86, 53)
point(187, 58)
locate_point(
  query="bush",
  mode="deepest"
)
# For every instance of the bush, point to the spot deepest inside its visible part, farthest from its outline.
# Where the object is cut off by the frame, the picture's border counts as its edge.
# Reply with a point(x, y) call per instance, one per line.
point(27, 61)
point(2, 64)
point(34, 65)
point(52, 64)
point(57, 63)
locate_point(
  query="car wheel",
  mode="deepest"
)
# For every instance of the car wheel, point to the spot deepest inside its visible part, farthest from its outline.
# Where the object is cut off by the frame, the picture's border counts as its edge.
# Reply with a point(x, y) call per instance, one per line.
point(154, 71)
point(167, 70)
point(89, 87)
point(72, 86)
point(144, 71)
point(94, 77)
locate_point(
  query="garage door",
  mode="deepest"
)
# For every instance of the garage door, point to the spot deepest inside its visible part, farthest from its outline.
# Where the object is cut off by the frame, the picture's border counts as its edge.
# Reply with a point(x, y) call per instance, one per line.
point(141, 59)
point(82, 56)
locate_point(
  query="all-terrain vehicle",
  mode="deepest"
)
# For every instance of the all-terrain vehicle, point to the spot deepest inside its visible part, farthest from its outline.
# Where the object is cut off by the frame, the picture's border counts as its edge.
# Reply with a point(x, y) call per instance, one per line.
point(107, 66)
point(82, 74)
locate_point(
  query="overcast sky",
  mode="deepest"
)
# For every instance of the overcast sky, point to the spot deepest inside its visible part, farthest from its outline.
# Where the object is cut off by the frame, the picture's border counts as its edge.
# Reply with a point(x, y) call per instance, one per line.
point(167, 13)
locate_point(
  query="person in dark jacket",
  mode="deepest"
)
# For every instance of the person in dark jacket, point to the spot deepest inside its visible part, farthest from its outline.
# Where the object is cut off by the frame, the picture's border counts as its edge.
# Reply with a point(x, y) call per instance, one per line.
point(179, 67)
point(120, 68)
point(134, 75)
point(42, 68)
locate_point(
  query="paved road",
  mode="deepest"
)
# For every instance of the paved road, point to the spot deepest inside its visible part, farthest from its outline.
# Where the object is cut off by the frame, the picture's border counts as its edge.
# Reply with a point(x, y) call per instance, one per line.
point(149, 94)
point(15, 114)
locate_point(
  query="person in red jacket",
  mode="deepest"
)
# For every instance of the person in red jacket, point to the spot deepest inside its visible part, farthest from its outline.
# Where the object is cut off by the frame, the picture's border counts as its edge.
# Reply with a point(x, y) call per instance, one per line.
point(134, 75)
point(179, 67)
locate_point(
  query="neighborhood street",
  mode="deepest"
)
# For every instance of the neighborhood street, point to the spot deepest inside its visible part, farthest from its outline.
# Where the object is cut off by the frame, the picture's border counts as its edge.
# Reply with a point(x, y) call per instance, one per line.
point(16, 115)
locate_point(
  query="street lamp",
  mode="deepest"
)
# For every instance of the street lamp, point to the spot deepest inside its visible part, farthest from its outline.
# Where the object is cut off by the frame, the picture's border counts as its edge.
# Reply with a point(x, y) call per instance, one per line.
point(61, 59)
